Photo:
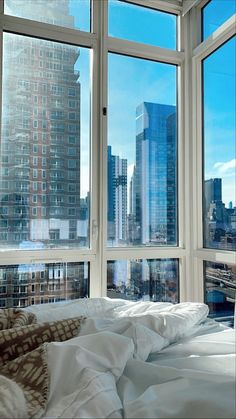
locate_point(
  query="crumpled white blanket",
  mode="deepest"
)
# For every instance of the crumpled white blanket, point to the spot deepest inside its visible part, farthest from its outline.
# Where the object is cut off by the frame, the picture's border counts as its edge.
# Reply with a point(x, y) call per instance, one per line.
point(106, 371)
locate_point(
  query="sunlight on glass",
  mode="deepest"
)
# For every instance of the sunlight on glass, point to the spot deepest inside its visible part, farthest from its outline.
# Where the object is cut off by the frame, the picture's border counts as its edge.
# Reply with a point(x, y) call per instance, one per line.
point(141, 24)
point(143, 279)
point(67, 13)
point(142, 153)
point(220, 287)
point(28, 284)
point(219, 188)
point(44, 195)
point(215, 13)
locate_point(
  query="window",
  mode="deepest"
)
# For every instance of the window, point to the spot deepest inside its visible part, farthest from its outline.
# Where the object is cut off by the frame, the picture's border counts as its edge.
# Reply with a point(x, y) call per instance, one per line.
point(125, 18)
point(147, 279)
point(214, 14)
point(57, 13)
point(76, 61)
point(112, 175)
point(220, 289)
point(219, 122)
point(142, 153)
point(214, 169)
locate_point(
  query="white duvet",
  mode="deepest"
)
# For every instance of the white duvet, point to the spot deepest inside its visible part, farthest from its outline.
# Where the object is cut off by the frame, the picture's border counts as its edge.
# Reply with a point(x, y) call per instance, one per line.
point(141, 360)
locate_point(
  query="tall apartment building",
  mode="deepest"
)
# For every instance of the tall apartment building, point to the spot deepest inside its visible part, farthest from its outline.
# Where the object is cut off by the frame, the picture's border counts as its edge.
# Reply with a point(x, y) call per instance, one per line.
point(40, 142)
point(156, 174)
point(117, 198)
point(40, 166)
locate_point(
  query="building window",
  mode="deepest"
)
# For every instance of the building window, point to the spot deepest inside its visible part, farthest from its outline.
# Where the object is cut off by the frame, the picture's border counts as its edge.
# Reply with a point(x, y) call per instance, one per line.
point(54, 16)
point(219, 205)
point(146, 279)
point(142, 180)
point(219, 289)
point(35, 186)
point(122, 25)
point(214, 14)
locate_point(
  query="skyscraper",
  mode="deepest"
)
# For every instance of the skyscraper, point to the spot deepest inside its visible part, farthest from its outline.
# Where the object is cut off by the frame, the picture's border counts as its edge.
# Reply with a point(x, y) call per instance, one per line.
point(213, 191)
point(40, 148)
point(156, 174)
point(117, 198)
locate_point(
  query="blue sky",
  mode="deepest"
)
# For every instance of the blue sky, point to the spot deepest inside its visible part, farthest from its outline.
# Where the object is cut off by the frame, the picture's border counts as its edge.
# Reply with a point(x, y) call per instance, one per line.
point(132, 81)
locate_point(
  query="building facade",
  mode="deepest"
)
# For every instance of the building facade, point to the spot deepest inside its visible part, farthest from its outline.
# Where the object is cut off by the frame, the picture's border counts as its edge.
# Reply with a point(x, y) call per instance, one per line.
point(156, 174)
point(117, 199)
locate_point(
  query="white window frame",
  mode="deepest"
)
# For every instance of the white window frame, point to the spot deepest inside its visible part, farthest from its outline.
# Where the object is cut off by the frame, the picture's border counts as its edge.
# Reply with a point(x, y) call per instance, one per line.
point(187, 57)
point(200, 51)
point(176, 57)
point(49, 32)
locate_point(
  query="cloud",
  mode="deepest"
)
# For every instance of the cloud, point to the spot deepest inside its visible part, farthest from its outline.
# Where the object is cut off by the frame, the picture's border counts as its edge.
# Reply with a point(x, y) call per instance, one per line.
point(226, 166)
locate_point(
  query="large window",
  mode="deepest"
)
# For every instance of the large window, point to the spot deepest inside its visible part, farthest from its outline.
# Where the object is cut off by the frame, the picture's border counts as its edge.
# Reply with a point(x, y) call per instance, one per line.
point(219, 147)
point(44, 182)
point(142, 153)
point(214, 227)
point(117, 152)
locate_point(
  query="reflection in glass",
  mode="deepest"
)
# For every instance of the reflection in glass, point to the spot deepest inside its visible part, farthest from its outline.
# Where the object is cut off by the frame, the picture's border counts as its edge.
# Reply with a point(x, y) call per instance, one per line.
point(28, 284)
point(214, 14)
point(142, 153)
point(44, 198)
point(219, 116)
point(220, 289)
point(143, 279)
point(141, 24)
point(66, 13)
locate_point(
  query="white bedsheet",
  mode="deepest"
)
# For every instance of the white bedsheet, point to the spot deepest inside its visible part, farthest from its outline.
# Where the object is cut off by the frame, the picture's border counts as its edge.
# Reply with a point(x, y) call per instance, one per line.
point(142, 361)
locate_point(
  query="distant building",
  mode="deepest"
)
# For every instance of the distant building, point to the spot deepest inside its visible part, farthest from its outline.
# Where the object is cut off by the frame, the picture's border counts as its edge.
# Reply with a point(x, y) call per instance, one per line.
point(212, 191)
point(219, 222)
point(117, 199)
point(156, 174)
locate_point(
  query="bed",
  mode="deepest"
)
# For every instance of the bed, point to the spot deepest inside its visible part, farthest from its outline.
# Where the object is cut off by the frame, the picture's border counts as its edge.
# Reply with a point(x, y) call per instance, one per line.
point(125, 360)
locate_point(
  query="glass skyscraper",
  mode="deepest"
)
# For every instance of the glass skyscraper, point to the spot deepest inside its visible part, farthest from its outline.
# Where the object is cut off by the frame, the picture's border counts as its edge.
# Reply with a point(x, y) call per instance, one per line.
point(155, 180)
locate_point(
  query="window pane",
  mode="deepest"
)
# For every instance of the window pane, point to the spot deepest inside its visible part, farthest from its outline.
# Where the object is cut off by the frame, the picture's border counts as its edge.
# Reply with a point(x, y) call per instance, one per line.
point(66, 13)
point(219, 114)
point(220, 289)
point(214, 14)
point(44, 198)
point(136, 23)
point(143, 279)
point(24, 285)
point(142, 153)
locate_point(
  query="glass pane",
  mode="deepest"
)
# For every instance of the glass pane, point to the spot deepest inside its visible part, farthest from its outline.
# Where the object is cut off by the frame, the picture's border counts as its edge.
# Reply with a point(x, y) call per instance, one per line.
point(142, 152)
point(144, 279)
point(24, 285)
point(214, 14)
point(44, 177)
point(220, 289)
point(67, 13)
point(141, 24)
point(219, 114)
